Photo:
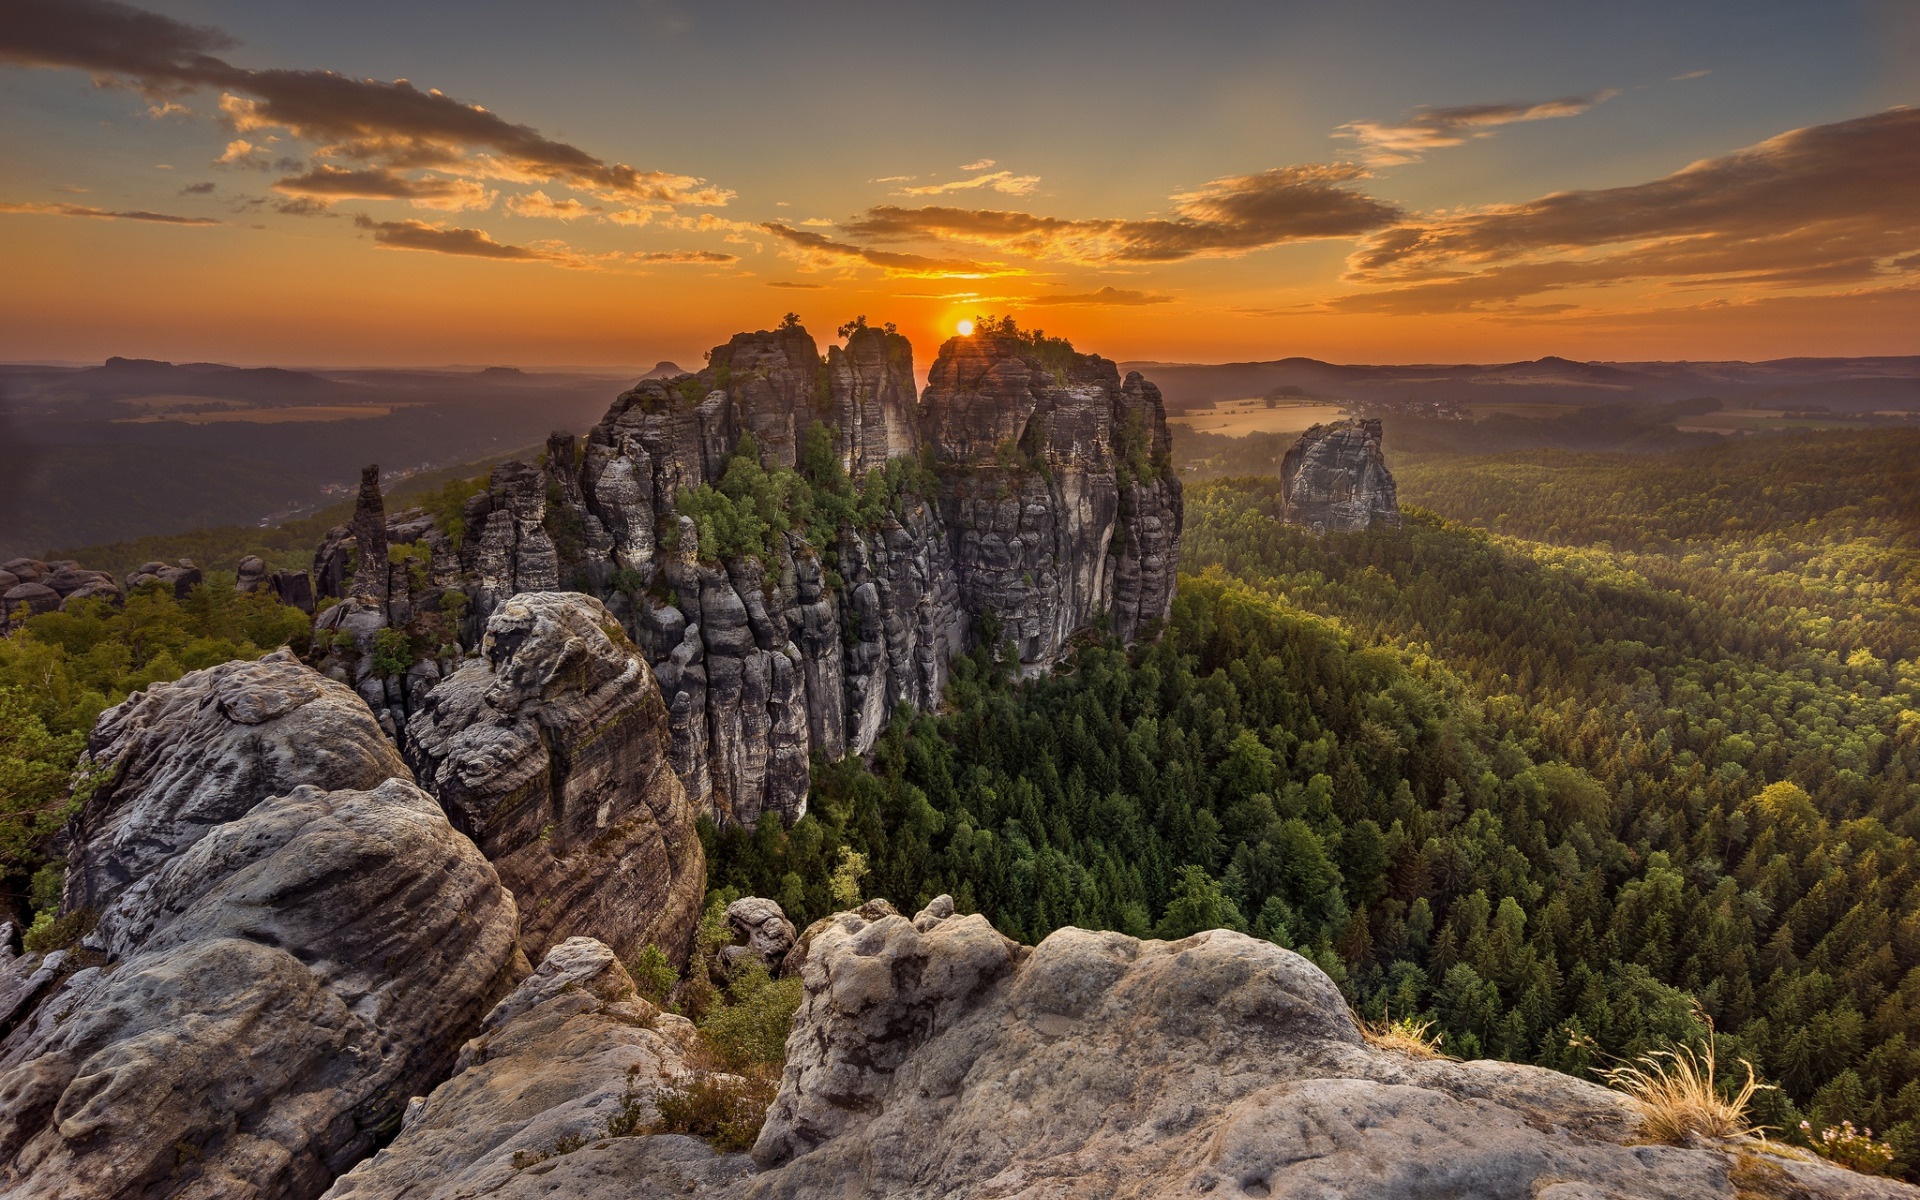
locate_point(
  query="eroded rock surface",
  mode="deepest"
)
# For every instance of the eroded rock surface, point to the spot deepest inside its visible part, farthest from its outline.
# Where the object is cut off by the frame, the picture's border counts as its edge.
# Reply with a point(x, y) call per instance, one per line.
point(551, 752)
point(940, 1060)
point(1335, 479)
point(277, 964)
point(571, 1054)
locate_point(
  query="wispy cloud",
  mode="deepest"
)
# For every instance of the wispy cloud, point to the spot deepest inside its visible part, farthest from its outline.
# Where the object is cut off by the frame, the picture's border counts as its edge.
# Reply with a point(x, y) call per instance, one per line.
point(1227, 217)
point(1005, 182)
point(327, 184)
point(539, 204)
point(1106, 296)
point(1384, 144)
point(1819, 206)
point(101, 214)
point(711, 258)
point(798, 287)
point(985, 164)
point(816, 250)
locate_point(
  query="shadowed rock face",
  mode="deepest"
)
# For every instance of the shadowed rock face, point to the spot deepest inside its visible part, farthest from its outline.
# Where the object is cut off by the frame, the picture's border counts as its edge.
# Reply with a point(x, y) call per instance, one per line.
point(551, 751)
point(291, 940)
point(1335, 479)
point(762, 661)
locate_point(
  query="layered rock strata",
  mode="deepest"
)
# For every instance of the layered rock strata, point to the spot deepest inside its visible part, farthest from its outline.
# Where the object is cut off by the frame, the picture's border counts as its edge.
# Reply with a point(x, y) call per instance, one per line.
point(571, 1059)
point(288, 940)
point(1030, 493)
point(1335, 479)
point(550, 750)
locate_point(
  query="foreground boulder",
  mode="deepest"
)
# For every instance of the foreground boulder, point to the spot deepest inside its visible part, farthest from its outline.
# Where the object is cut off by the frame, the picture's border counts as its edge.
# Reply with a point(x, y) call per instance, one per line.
point(277, 965)
point(1335, 479)
point(551, 752)
point(564, 1070)
point(947, 1062)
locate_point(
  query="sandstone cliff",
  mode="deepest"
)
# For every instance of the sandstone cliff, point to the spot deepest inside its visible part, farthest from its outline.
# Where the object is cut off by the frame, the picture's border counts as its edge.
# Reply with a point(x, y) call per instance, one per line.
point(1028, 492)
point(550, 751)
point(1335, 479)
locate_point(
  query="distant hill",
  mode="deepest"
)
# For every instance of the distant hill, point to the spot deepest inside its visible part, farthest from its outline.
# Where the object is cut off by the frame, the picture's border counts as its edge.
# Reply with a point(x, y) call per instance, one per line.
point(1839, 384)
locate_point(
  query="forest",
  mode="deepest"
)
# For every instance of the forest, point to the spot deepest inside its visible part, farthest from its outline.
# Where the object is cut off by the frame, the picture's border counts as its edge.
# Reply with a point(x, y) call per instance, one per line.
point(1599, 753)
point(1645, 770)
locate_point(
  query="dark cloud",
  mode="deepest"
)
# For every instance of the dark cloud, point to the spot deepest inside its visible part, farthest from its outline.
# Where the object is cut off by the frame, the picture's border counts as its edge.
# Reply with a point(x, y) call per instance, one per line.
point(442, 239)
point(1383, 144)
point(393, 124)
point(1105, 296)
point(1228, 217)
point(325, 184)
point(819, 250)
point(1821, 205)
point(798, 287)
point(197, 189)
point(81, 210)
point(708, 257)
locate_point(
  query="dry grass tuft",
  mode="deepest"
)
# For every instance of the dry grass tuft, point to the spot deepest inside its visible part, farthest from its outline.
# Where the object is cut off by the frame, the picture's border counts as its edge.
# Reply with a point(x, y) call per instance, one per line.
point(1415, 1039)
point(1678, 1098)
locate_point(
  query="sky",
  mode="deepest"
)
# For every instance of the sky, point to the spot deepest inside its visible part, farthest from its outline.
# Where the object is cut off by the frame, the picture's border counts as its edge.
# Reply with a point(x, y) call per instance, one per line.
point(594, 183)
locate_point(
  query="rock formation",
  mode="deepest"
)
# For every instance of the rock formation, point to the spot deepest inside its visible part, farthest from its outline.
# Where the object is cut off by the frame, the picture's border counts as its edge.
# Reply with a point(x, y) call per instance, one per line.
point(1335, 479)
point(763, 931)
point(571, 1055)
point(1052, 507)
point(550, 750)
point(284, 948)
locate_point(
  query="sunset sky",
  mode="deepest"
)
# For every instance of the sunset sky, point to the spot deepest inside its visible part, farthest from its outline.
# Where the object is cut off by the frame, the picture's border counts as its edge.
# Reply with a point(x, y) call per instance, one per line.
point(588, 183)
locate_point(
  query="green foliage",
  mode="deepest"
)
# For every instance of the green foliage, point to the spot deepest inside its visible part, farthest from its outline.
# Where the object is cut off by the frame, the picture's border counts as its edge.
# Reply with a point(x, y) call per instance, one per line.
point(653, 974)
point(1197, 903)
point(447, 505)
point(62, 669)
point(392, 652)
point(1056, 356)
point(750, 1030)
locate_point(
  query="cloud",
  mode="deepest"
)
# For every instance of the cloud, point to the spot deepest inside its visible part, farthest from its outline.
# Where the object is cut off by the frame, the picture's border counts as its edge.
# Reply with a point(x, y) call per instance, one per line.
point(817, 250)
point(390, 124)
point(985, 164)
point(819, 222)
point(1105, 296)
point(1227, 217)
point(706, 257)
point(893, 179)
point(1433, 128)
point(327, 184)
point(468, 243)
point(1005, 182)
point(1700, 74)
point(798, 287)
point(81, 210)
point(539, 204)
point(197, 189)
point(1811, 207)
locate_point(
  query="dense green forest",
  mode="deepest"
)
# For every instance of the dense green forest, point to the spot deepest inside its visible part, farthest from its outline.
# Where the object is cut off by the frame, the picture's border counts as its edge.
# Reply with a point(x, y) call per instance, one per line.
point(1568, 801)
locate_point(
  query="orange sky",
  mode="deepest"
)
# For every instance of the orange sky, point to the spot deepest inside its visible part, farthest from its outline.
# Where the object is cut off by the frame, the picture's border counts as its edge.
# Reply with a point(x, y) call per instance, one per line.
point(226, 196)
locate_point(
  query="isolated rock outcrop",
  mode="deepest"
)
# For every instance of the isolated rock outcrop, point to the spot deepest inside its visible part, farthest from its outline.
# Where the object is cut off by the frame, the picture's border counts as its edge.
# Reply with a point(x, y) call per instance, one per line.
point(1335, 479)
point(943, 1061)
point(763, 931)
point(286, 948)
point(570, 1058)
point(551, 751)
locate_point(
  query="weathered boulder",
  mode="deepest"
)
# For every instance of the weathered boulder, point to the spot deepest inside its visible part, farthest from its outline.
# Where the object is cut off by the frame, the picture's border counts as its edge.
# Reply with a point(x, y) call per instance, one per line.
point(1335, 479)
point(251, 574)
point(551, 751)
point(764, 932)
point(182, 577)
point(32, 598)
point(942, 1061)
point(192, 755)
point(570, 1059)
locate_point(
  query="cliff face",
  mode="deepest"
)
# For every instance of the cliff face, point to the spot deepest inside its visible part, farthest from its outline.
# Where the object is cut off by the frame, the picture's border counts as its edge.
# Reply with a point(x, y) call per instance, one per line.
point(1031, 487)
point(1335, 479)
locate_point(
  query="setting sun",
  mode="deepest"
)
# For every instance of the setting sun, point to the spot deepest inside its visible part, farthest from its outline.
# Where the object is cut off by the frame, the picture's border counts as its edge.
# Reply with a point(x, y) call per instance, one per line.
point(965, 328)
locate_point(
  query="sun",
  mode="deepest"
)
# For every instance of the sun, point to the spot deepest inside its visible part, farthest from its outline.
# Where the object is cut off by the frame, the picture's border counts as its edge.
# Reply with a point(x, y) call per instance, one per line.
point(965, 328)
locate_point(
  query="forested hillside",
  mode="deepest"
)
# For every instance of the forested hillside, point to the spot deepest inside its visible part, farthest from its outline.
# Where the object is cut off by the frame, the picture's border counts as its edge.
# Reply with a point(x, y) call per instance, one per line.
point(1569, 801)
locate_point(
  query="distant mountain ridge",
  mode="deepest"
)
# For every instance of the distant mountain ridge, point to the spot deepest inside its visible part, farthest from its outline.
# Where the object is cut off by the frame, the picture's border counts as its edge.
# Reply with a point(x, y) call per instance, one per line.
point(1842, 384)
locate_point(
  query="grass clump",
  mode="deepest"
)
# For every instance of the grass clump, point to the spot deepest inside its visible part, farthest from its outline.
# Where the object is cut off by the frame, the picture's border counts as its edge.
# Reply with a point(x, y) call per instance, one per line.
point(1680, 1099)
point(1415, 1039)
